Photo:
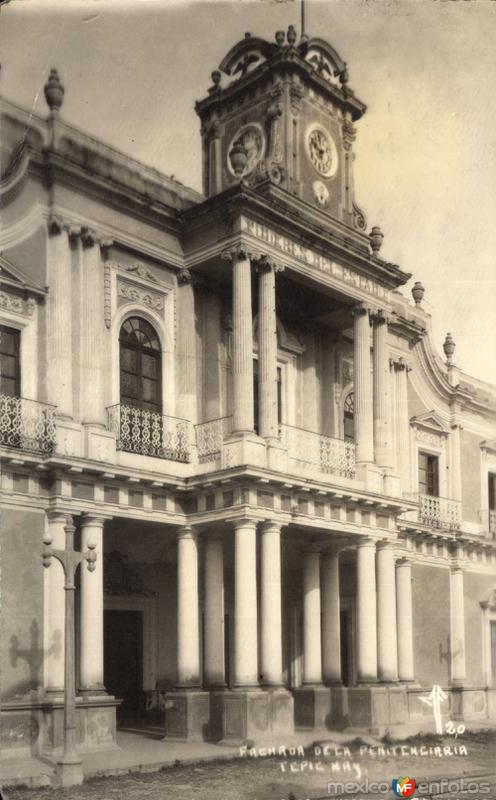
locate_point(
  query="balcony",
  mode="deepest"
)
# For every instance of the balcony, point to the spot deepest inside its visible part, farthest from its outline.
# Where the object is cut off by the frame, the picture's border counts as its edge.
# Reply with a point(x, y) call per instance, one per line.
point(149, 433)
point(209, 438)
point(436, 512)
point(317, 451)
point(27, 425)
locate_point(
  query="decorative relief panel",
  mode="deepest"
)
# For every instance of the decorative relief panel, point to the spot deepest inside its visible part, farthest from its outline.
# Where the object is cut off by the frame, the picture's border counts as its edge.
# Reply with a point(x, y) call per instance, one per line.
point(430, 438)
point(11, 302)
point(138, 294)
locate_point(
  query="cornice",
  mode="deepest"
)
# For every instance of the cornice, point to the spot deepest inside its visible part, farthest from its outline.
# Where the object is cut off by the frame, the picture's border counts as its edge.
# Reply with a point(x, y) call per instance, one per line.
point(273, 205)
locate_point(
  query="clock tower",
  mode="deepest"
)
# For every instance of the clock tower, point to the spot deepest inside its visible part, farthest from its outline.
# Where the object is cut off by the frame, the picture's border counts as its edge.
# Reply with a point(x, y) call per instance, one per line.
point(283, 112)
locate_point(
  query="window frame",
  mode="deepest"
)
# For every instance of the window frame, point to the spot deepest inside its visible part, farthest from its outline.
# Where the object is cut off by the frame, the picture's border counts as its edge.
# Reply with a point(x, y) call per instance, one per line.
point(142, 404)
point(17, 335)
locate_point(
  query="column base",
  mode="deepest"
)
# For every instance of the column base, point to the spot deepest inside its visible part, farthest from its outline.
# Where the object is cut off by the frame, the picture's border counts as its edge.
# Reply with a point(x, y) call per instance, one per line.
point(95, 724)
point(69, 774)
point(255, 715)
point(243, 448)
point(313, 707)
point(371, 475)
point(376, 708)
point(187, 716)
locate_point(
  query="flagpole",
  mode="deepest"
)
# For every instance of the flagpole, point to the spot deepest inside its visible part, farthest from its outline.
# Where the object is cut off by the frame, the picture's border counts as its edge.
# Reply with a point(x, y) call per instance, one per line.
point(302, 17)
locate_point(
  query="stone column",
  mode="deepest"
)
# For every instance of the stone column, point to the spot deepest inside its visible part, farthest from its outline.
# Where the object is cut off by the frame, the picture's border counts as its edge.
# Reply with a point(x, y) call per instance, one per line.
point(271, 623)
point(456, 466)
point(188, 640)
point(366, 612)
point(267, 350)
point(91, 609)
point(382, 422)
point(387, 645)
point(94, 336)
point(404, 619)
point(59, 320)
point(331, 622)
point(364, 428)
point(458, 670)
point(242, 356)
point(56, 607)
point(312, 648)
point(213, 660)
point(245, 603)
point(403, 424)
point(186, 348)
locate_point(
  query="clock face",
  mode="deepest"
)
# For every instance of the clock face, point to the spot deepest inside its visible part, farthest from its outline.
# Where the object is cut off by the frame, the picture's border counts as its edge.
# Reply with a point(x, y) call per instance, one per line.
point(322, 151)
point(250, 141)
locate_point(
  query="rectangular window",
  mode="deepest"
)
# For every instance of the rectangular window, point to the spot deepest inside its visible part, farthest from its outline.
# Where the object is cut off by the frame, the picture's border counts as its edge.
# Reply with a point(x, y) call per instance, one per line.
point(492, 491)
point(10, 373)
point(428, 474)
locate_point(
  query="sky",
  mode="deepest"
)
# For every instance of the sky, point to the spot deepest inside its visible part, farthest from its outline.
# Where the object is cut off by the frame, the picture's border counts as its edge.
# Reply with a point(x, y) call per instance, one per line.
point(425, 168)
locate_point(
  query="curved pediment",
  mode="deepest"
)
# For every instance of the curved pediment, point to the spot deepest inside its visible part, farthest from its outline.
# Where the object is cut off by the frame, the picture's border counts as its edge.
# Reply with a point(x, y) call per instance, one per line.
point(246, 56)
point(325, 60)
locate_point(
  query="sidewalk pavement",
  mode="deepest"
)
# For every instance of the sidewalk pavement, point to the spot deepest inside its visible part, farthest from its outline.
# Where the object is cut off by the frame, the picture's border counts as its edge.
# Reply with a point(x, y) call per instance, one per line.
point(137, 751)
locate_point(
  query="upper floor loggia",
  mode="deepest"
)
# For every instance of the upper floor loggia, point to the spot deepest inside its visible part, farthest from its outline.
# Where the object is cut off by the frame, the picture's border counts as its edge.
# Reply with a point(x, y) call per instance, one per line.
point(254, 327)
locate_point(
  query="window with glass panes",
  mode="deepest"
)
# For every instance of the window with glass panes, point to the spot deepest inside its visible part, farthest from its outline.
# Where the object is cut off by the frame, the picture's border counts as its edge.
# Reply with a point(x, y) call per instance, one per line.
point(349, 417)
point(10, 365)
point(140, 365)
point(428, 474)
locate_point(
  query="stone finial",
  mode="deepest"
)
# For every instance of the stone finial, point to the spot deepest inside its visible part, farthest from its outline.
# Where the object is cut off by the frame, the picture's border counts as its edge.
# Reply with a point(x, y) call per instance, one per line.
point(449, 348)
point(216, 76)
point(376, 238)
point(291, 36)
point(418, 292)
point(280, 38)
point(54, 91)
point(247, 35)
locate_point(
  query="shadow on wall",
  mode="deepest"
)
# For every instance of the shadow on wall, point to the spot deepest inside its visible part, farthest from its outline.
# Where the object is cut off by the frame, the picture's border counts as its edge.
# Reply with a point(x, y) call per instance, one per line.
point(33, 656)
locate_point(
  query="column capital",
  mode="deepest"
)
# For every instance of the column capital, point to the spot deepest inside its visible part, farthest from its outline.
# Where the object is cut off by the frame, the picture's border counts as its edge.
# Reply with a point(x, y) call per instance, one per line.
point(93, 519)
point(54, 515)
point(265, 263)
point(269, 524)
point(240, 522)
point(404, 561)
point(384, 544)
point(360, 310)
point(186, 532)
point(237, 253)
point(366, 542)
point(400, 364)
point(380, 316)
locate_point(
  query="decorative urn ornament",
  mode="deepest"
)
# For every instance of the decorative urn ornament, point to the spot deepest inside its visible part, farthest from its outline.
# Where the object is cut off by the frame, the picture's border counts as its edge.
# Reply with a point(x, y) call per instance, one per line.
point(280, 37)
point(54, 91)
point(376, 238)
point(418, 292)
point(291, 36)
point(216, 76)
point(238, 157)
point(449, 348)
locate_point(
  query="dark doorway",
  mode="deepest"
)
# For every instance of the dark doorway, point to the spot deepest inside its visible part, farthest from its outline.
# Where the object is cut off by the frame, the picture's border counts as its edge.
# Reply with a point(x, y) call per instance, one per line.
point(346, 666)
point(123, 642)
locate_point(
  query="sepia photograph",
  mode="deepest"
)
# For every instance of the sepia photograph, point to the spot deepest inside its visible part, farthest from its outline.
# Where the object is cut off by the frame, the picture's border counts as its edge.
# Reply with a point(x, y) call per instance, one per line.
point(247, 399)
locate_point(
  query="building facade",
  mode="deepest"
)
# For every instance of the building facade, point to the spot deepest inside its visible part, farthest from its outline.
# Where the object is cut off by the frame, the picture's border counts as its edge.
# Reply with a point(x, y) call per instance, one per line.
point(292, 497)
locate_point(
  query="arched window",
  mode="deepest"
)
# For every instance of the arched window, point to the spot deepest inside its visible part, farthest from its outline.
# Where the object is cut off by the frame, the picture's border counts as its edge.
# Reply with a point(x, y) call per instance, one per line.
point(349, 418)
point(140, 365)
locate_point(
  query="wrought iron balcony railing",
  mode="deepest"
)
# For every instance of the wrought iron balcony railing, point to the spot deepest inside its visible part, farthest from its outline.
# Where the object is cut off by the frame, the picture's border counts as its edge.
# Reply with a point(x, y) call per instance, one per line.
point(318, 451)
point(439, 512)
point(209, 438)
point(27, 424)
point(149, 433)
